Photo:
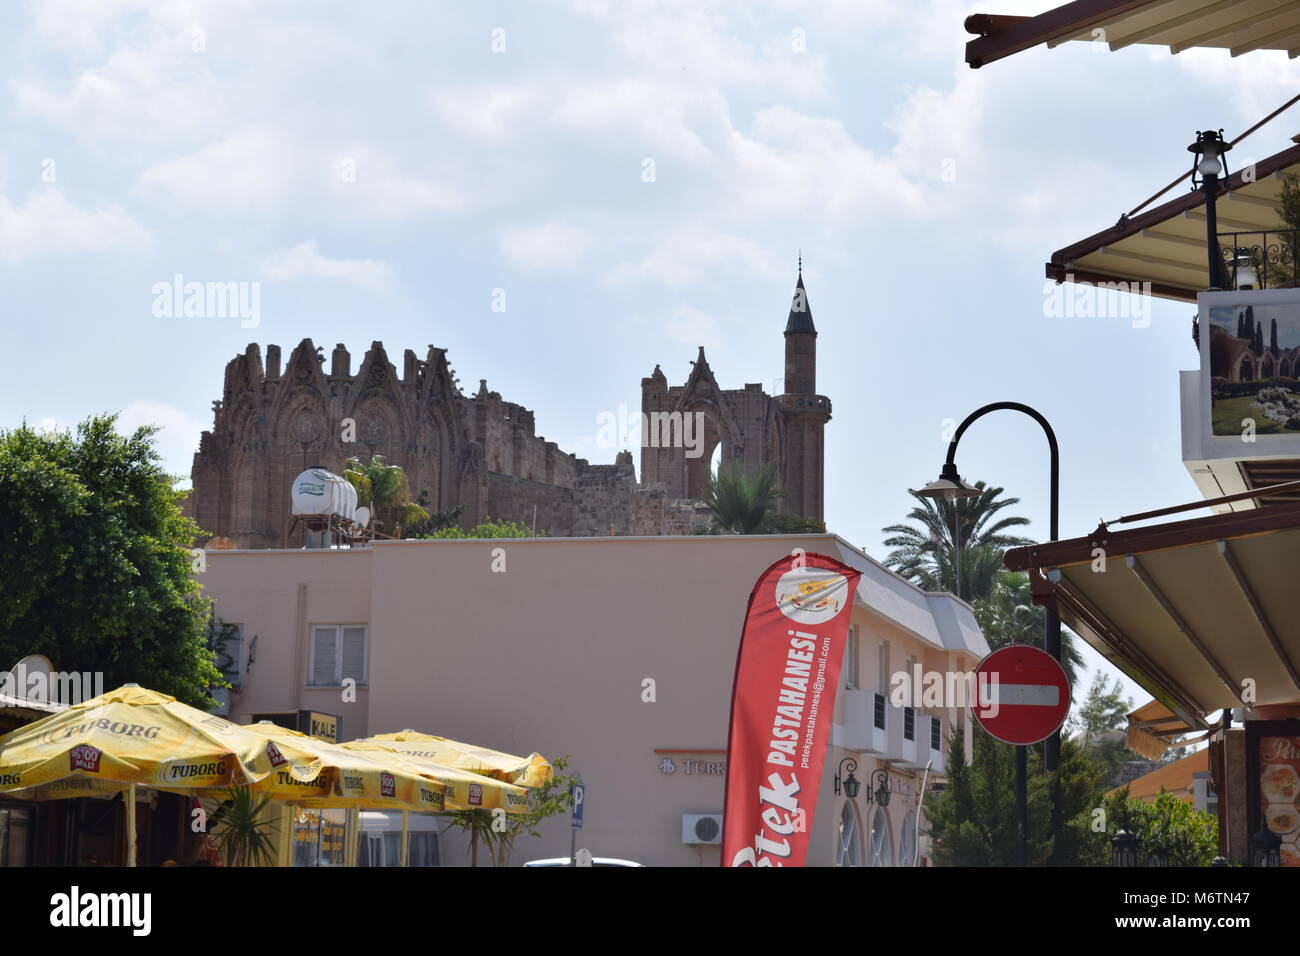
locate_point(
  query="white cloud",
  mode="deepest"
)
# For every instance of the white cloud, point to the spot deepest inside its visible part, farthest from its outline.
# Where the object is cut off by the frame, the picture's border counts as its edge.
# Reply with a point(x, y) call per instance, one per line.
point(305, 261)
point(248, 170)
point(686, 258)
point(796, 163)
point(691, 326)
point(48, 224)
point(377, 189)
point(550, 246)
point(178, 434)
point(488, 112)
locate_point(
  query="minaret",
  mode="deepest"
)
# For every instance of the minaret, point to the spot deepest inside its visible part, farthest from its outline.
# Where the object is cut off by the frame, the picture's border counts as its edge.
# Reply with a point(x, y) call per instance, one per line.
point(803, 413)
point(800, 343)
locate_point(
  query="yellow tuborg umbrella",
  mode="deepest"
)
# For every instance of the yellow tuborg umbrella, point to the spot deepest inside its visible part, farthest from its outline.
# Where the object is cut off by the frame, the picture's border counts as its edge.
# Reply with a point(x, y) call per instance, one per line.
point(350, 779)
point(465, 790)
point(133, 737)
point(530, 771)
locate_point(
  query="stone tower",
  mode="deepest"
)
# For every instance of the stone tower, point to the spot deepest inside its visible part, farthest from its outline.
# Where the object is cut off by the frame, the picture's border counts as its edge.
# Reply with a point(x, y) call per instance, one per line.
point(803, 413)
point(751, 427)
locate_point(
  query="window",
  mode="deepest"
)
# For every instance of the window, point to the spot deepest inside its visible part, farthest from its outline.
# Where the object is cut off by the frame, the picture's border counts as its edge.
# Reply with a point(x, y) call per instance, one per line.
point(936, 734)
point(15, 832)
point(878, 717)
point(851, 662)
point(882, 682)
point(882, 844)
point(850, 842)
point(380, 839)
point(318, 837)
point(909, 723)
point(337, 652)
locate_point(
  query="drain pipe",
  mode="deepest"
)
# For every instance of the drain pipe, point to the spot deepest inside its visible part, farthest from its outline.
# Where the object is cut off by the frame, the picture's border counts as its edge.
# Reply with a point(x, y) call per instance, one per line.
point(916, 837)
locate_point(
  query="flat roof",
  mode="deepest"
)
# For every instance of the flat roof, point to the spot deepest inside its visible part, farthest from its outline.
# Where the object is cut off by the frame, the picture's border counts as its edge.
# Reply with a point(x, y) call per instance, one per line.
point(1238, 26)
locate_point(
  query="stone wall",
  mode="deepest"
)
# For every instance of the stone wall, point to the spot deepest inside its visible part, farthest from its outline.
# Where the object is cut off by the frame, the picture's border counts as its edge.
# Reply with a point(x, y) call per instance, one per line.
point(552, 507)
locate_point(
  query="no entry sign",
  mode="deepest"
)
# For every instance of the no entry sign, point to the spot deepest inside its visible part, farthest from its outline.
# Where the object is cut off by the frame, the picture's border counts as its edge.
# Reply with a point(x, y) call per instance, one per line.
point(1021, 694)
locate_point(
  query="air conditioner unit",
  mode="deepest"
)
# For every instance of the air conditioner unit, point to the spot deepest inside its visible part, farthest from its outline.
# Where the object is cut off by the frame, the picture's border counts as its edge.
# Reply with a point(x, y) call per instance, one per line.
point(702, 828)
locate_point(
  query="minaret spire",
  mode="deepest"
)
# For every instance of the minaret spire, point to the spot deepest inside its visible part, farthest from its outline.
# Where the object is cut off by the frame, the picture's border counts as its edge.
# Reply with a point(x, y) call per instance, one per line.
point(800, 319)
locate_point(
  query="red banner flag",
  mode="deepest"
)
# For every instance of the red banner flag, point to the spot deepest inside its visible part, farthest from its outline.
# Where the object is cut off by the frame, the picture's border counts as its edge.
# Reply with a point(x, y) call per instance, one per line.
point(782, 707)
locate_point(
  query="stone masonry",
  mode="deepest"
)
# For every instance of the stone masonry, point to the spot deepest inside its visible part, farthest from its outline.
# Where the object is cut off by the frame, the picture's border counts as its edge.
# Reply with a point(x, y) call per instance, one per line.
point(483, 453)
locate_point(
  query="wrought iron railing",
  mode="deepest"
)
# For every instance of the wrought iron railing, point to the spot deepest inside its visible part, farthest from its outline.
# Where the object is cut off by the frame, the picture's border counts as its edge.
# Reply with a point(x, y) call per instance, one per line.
point(1271, 253)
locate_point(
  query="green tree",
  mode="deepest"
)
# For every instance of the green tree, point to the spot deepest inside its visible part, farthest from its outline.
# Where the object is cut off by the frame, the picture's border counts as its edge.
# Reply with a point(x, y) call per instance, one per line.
point(973, 820)
point(1009, 616)
point(95, 560)
point(1168, 826)
point(383, 489)
point(1105, 708)
point(746, 504)
point(497, 833)
point(1099, 721)
point(740, 503)
point(491, 528)
point(925, 552)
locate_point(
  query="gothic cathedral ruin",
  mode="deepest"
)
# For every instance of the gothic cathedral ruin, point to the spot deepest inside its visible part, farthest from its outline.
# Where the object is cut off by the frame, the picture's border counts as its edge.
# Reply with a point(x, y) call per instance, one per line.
point(483, 454)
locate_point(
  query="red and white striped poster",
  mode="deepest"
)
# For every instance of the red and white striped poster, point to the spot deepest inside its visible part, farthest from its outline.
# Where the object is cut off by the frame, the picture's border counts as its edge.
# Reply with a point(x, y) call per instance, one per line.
point(782, 707)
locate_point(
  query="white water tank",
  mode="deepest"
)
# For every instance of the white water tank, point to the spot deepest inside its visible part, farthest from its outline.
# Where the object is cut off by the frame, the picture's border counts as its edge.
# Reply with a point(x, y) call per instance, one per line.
point(320, 492)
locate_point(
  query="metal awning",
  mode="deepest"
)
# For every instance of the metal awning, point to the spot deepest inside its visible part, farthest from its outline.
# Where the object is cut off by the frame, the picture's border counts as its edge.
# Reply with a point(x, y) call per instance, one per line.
point(1238, 26)
point(1153, 728)
point(1166, 245)
point(1190, 610)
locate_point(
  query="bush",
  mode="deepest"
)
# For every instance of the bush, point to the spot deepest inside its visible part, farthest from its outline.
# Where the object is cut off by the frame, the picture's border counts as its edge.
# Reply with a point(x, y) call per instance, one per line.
point(1168, 826)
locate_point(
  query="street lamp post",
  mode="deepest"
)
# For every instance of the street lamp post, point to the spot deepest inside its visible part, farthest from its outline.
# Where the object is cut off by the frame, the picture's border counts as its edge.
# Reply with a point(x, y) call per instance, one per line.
point(950, 487)
point(1207, 161)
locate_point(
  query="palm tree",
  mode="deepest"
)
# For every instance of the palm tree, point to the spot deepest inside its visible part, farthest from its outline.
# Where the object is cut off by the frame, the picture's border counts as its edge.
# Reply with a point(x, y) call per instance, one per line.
point(1008, 615)
point(383, 489)
point(243, 830)
point(926, 554)
point(741, 504)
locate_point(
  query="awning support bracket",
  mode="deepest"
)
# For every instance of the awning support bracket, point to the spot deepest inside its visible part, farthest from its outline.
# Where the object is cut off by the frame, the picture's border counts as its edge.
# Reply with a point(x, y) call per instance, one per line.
point(1248, 592)
point(1153, 589)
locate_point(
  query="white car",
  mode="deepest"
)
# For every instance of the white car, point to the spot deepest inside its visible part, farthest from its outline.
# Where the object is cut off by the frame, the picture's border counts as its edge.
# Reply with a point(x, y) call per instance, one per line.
point(595, 861)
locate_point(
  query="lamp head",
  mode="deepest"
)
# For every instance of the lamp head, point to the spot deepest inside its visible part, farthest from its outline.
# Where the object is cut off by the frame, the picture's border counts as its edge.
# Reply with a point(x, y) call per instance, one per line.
point(1208, 149)
point(949, 486)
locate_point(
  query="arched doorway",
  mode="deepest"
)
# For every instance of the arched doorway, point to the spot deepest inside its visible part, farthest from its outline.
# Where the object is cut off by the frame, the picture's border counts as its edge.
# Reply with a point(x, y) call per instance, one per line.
point(882, 843)
point(850, 837)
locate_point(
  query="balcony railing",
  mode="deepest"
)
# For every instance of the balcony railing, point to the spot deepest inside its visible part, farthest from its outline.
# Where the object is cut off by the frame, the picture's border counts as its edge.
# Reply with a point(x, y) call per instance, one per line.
point(1272, 253)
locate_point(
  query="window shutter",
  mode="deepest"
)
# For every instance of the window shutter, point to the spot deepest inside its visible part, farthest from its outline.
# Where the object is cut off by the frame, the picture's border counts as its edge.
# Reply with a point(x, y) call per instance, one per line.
point(324, 655)
point(354, 653)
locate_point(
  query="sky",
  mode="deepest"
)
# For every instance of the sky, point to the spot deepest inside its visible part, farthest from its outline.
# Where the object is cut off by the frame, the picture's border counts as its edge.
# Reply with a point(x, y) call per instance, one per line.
point(565, 194)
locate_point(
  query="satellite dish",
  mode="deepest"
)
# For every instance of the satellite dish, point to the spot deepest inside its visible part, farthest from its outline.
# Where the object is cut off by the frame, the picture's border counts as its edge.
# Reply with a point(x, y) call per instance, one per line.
point(362, 516)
